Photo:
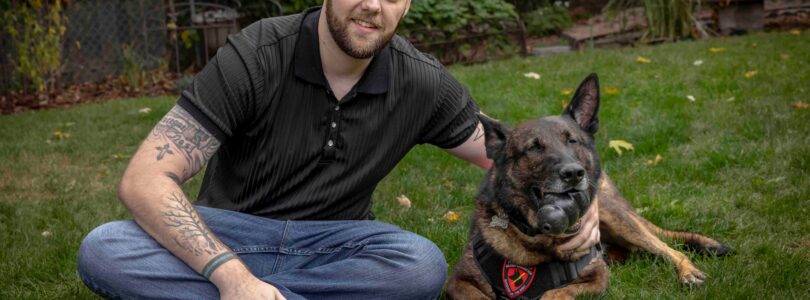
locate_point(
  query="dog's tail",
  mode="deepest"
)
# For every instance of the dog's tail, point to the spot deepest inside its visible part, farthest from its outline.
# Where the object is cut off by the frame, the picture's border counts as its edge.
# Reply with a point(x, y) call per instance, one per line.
point(693, 241)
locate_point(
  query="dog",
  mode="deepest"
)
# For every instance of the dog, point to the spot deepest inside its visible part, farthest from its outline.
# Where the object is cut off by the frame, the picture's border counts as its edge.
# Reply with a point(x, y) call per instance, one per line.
point(544, 178)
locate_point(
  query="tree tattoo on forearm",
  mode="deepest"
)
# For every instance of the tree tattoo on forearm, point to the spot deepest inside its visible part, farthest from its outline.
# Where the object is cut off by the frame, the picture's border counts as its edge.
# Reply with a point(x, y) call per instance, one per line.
point(188, 136)
point(192, 234)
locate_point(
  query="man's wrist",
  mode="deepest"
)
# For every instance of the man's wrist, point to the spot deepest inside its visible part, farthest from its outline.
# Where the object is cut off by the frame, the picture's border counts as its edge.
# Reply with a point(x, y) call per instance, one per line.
point(229, 273)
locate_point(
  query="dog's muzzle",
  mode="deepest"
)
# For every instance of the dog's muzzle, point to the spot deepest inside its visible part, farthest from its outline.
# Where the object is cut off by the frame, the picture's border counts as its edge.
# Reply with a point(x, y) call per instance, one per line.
point(560, 213)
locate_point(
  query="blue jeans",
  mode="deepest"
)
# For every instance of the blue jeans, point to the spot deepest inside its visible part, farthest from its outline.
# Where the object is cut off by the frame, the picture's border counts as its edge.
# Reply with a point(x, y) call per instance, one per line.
point(303, 259)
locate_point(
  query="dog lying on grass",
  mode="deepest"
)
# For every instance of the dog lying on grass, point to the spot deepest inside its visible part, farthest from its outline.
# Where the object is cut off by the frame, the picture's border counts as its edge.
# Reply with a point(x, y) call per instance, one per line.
point(544, 178)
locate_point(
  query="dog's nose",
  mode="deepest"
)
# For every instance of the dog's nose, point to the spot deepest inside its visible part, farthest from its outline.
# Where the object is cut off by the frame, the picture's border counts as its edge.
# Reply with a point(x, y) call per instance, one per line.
point(572, 173)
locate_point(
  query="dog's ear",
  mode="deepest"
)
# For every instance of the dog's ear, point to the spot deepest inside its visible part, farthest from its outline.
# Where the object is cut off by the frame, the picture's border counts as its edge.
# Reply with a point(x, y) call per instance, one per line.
point(584, 107)
point(494, 134)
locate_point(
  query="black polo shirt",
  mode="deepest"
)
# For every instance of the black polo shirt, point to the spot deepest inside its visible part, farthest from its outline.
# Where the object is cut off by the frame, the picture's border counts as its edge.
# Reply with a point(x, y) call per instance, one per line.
point(290, 149)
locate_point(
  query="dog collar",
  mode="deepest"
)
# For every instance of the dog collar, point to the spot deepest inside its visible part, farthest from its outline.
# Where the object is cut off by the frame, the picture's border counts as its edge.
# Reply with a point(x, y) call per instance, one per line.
point(513, 281)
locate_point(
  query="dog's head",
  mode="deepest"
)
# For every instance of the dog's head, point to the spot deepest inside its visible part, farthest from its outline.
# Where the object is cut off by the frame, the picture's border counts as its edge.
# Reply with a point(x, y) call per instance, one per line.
point(545, 171)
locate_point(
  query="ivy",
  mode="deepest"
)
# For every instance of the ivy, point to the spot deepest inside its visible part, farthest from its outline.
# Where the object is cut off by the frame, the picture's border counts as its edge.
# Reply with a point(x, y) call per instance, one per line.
point(36, 29)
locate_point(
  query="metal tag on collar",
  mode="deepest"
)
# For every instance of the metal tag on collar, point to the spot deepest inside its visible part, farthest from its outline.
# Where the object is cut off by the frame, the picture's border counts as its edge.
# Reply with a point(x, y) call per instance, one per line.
point(497, 221)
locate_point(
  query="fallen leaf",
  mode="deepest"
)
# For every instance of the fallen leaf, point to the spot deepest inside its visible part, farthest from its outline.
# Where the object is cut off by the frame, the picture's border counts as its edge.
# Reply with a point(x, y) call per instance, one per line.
point(795, 32)
point(641, 209)
point(564, 103)
point(799, 105)
point(60, 135)
point(750, 74)
point(785, 56)
point(729, 99)
point(697, 63)
point(532, 75)
point(619, 144)
point(566, 92)
point(145, 110)
point(715, 50)
point(611, 90)
point(46, 233)
point(655, 161)
point(452, 216)
point(120, 156)
point(690, 97)
point(643, 60)
point(404, 201)
point(68, 124)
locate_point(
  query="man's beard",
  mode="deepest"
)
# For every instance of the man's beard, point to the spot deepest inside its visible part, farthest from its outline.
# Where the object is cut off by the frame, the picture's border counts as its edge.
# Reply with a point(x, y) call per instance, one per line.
point(340, 33)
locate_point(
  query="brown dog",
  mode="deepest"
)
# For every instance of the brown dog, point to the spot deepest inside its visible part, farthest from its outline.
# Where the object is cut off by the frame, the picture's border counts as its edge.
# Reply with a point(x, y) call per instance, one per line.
point(545, 176)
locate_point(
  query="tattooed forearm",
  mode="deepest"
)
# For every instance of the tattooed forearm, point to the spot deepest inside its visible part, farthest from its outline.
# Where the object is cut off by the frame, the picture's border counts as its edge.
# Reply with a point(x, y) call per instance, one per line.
point(174, 177)
point(191, 234)
point(188, 136)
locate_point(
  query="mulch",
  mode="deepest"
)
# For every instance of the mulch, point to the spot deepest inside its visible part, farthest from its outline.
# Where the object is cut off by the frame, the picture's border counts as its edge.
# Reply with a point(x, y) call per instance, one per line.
point(159, 84)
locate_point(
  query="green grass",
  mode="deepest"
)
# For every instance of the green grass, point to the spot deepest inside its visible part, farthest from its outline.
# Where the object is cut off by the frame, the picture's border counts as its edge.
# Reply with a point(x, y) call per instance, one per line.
point(736, 170)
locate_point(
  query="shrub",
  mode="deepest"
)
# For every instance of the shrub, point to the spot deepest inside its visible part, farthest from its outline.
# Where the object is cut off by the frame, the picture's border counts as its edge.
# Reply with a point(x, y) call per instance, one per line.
point(549, 19)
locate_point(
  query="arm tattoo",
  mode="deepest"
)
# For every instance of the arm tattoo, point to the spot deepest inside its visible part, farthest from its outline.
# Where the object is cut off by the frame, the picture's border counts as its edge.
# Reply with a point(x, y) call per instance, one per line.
point(478, 134)
point(195, 143)
point(192, 234)
point(174, 177)
point(163, 151)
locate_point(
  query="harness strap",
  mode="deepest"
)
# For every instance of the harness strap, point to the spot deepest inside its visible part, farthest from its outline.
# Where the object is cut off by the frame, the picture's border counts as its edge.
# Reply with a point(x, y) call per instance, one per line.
point(513, 281)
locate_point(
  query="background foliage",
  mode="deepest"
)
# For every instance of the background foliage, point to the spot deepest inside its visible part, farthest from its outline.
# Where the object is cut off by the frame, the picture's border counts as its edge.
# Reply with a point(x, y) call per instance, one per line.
point(667, 19)
point(36, 29)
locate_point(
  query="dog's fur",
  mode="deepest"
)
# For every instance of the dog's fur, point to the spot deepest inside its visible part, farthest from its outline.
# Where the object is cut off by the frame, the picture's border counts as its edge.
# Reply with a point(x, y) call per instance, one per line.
point(527, 169)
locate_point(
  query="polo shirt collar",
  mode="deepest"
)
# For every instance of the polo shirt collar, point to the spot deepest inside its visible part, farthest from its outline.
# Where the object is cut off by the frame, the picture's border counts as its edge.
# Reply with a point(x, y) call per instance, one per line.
point(307, 60)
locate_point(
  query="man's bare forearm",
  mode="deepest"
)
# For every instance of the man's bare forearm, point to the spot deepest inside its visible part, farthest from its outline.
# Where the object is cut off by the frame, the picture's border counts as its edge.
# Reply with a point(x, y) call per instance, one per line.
point(176, 149)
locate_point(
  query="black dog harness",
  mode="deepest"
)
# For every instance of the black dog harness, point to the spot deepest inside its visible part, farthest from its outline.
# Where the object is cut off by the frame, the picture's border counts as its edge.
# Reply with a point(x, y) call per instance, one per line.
point(513, 281)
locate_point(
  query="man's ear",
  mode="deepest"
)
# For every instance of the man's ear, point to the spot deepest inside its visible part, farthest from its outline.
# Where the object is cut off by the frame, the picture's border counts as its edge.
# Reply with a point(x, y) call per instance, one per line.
point(584, 107)
point(494, 134)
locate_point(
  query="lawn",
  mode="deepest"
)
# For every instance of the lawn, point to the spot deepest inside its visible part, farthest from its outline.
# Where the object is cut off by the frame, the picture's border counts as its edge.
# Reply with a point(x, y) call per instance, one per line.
point(734, 164)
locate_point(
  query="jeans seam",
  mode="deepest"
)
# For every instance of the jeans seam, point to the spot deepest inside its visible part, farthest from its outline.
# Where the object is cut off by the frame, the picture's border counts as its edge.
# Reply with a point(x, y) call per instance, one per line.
point(279, 258)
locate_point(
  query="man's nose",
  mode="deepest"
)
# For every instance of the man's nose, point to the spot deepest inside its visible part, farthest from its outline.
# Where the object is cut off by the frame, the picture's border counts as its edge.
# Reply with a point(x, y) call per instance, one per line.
point(371, 5)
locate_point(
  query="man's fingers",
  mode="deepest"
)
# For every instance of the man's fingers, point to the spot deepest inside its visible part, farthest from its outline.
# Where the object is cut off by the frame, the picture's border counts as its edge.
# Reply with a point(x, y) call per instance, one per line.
point(588, 234)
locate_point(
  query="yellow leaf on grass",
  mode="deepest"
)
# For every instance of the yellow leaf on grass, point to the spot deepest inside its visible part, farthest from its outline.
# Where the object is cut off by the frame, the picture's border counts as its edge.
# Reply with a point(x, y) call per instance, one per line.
point(655, 161)
point(404, 201)
point(715, 50)
point(611, 90)
point(145, 110)
point(750, 74)
point(452, 216)
point(697, 63)
point(795, 32)
point(619, 144)
point(566, 92)
point(799, 105)
point(643, 60)
point(532, 75)
point(60, 135)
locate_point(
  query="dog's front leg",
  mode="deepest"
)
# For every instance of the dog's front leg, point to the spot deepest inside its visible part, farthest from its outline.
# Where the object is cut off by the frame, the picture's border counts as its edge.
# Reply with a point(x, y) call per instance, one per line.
point(593, 281)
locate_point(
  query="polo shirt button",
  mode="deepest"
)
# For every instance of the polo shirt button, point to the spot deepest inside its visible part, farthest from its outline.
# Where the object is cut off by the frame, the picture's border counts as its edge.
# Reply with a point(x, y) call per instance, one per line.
point(337, 107)
point(330, 143)
point(333, 125)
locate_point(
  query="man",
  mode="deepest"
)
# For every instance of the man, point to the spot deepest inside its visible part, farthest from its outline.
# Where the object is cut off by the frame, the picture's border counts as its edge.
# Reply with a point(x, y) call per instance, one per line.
point(301, 117)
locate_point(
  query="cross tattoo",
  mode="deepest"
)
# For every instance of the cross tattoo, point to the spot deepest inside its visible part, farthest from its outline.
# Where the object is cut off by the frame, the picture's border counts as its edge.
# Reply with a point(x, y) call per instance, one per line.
point(163, 150)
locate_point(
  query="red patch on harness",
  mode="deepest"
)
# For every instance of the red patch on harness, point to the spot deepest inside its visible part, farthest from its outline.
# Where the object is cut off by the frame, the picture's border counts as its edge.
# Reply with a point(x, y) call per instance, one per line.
point(516, 278)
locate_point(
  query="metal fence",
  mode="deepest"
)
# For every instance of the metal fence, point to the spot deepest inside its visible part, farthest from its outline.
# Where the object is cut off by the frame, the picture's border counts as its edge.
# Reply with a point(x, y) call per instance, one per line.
point(106, 36)
point(103, 37)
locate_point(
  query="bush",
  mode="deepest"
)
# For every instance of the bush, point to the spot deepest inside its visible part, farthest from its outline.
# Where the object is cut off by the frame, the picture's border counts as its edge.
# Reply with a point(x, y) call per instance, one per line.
point(460, 30)
point(546, 20)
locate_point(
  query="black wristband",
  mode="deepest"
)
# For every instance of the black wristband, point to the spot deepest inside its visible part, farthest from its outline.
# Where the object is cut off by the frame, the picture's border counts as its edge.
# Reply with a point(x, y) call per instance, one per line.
point(215, 263)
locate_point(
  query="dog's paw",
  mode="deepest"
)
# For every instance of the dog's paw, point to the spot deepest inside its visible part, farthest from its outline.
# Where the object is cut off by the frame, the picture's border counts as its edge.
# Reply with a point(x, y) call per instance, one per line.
point(558, 294)
point(692, 276)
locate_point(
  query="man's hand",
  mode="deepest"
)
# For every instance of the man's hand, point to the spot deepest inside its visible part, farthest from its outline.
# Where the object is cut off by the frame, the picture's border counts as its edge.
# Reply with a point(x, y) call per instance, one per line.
point(234, 281)
point(588, 235)
point(252, 289)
